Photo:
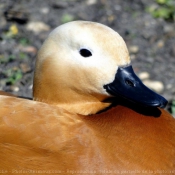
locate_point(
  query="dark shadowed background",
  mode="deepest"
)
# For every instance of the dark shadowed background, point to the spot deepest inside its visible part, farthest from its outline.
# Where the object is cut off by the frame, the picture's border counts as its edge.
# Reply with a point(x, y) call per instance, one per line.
point(148, 27)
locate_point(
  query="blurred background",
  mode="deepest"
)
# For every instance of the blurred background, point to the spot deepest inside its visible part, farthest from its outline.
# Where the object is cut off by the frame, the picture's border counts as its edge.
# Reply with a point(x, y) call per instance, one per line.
point(148, 28)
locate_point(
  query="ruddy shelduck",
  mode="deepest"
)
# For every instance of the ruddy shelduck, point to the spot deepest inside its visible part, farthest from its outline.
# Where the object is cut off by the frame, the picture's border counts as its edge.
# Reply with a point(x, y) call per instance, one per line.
point(90, 113)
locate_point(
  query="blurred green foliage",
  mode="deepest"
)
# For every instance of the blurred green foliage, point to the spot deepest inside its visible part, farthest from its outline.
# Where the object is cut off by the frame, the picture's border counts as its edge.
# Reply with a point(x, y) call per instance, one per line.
point(4, 59)
point(24, 41)
point(165, 9)
point(22, 56)
point(67, 18)
point(173, 107)
point(13, 75)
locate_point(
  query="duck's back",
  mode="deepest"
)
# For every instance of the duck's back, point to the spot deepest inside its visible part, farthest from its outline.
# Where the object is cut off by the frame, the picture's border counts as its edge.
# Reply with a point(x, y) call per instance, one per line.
point(138, 142)
point(40, 139)
point(6, 93)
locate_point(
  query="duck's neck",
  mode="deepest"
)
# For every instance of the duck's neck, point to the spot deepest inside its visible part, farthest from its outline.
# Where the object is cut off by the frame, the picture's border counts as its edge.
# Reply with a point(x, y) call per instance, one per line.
point(86, 108)
point(74, 102)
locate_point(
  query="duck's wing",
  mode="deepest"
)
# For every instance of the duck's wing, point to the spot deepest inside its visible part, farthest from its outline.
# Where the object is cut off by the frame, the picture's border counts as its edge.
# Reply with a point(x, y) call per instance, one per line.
point(36, 136)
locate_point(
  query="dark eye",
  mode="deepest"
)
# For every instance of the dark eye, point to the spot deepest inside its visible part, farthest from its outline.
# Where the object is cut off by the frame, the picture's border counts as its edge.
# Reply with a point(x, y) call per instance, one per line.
point(85, 53)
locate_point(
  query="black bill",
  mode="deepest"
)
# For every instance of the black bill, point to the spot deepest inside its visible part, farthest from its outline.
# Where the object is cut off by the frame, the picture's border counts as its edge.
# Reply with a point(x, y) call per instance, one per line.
point(127, 85)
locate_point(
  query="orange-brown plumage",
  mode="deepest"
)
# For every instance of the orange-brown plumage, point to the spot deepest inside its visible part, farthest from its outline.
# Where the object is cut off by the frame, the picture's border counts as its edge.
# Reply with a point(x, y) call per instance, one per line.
point(38, 136)
point(6, 93)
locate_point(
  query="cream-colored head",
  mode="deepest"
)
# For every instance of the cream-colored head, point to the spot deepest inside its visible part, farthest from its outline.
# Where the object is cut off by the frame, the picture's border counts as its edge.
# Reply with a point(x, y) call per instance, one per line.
point(66, 78)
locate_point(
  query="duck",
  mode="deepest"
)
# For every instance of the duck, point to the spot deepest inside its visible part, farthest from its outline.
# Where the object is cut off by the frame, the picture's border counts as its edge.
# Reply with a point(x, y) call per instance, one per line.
point(90, 113)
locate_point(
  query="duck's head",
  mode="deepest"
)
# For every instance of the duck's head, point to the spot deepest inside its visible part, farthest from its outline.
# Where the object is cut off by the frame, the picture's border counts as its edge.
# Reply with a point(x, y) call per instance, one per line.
point(81, 64)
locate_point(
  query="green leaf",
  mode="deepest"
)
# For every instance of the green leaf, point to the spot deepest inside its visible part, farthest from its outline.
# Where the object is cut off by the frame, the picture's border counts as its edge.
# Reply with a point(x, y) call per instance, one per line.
point(173, 107)
point(162, 13)
point(13, 75)
point(24, 41)
point(162, 1)
point(165, 9)
point(67, 18)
